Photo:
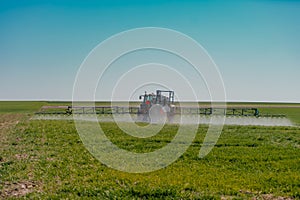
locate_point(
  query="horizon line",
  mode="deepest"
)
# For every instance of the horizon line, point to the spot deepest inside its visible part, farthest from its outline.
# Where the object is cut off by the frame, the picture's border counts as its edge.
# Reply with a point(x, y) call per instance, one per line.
point(203, 101)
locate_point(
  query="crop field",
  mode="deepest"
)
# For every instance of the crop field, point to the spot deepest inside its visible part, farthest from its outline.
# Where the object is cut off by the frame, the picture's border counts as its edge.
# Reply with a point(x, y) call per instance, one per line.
point(46, 159)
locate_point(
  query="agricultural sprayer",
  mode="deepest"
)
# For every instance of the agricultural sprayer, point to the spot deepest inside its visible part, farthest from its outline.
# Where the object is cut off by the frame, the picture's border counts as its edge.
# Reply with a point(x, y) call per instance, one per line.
point(159, 106)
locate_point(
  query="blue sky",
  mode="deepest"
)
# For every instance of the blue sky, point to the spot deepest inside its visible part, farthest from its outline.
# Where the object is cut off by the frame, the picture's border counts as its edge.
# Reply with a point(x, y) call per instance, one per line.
point(255, 44)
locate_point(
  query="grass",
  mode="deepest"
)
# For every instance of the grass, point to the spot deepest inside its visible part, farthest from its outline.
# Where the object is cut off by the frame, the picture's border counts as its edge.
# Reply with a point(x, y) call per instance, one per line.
point(46, 159)
point(292, 113)
point(20, 106)
point(246, 162)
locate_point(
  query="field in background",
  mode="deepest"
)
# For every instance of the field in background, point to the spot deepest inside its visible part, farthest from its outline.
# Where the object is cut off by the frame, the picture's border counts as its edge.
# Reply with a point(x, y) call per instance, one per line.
point(291, 110)
point(46, 159)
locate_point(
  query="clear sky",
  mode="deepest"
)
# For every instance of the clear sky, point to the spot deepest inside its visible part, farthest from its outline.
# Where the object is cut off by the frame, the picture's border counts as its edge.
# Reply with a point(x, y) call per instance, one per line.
point(254, 43)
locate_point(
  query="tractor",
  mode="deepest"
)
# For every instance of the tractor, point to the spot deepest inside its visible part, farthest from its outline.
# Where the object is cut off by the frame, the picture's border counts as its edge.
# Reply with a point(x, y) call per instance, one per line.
point(157, 107)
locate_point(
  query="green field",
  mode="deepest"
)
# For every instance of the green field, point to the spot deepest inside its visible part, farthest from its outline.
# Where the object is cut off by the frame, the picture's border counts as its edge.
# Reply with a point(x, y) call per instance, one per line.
point(46, 159)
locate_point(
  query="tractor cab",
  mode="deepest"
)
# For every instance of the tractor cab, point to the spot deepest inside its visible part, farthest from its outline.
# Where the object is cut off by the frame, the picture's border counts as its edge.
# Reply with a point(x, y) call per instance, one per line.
point(148, 99)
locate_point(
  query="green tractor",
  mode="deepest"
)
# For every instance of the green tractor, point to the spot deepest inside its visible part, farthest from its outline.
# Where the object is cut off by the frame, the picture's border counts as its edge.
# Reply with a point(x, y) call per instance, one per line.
point(157, 108)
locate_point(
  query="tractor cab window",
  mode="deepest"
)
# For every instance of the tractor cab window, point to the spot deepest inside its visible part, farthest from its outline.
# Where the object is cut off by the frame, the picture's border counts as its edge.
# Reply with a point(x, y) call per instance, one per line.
point(148, 98)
